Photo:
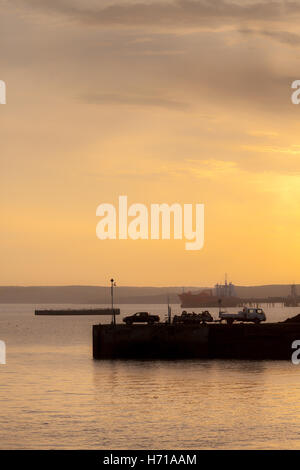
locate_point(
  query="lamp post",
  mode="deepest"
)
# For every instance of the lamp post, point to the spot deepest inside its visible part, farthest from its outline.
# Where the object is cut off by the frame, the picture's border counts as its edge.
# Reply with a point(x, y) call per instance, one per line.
point(169, 312)
point(112, 285)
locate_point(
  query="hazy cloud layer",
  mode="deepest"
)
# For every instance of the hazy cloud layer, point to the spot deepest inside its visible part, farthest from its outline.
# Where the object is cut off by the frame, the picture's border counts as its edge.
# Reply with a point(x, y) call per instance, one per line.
point(285, 37)
point(186, 101)
point(170, 14)
point(133, 100)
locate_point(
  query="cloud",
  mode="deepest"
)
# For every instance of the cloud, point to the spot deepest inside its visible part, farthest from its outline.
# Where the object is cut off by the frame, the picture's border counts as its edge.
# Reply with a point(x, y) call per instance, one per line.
point(284, 37)
point(171, 14)
point(212, 168)
point(291, 150)
point(133, 100)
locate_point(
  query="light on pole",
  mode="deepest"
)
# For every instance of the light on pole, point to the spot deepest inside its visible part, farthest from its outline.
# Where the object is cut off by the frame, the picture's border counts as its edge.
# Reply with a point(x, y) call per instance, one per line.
point(112, 285)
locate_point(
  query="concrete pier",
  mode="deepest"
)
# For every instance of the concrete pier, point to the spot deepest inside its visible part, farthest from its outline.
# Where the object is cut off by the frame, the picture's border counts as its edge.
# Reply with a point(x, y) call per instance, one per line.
point(163, 341)
point(82, 312)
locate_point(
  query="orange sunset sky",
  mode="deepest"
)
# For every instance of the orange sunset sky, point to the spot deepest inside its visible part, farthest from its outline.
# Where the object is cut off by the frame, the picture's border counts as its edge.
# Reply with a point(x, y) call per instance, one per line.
point(184, 101)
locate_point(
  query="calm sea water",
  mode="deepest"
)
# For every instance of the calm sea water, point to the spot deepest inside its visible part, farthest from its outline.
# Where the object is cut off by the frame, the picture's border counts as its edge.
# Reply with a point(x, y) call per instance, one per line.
point(53, 395)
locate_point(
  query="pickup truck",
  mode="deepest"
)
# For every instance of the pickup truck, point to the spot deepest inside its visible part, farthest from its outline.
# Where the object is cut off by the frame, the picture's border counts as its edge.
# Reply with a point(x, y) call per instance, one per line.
point(255, 315)
point(141, 317)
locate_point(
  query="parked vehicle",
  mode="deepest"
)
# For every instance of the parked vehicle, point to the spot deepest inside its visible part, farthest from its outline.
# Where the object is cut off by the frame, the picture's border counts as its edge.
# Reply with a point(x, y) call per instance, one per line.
point(190, 318)
point(255, 315)
point(141, 317)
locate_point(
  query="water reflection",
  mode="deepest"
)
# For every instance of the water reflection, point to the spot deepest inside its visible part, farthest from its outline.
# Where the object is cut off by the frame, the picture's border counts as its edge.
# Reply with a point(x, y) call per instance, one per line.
point(54, 395)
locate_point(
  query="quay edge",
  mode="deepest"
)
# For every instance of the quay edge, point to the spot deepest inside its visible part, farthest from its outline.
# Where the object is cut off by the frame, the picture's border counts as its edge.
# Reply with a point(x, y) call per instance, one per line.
point(207, 341)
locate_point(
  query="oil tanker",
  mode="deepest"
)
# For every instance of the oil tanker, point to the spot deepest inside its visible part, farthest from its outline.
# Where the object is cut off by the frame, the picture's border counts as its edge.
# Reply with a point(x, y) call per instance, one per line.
point(222, 295)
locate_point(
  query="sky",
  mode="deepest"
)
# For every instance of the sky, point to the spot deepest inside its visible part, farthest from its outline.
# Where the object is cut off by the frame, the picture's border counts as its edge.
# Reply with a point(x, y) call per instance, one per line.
point(185, 101)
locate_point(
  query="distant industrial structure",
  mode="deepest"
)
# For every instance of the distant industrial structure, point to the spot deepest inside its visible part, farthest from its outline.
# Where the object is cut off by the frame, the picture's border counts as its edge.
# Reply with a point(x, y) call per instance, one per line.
point(225, 290)
point(224, 295)
point(293, 299)
point(221, 294)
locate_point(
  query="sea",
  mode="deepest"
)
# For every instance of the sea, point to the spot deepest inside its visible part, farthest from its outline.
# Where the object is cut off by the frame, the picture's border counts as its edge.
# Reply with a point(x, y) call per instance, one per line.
point(53, 395)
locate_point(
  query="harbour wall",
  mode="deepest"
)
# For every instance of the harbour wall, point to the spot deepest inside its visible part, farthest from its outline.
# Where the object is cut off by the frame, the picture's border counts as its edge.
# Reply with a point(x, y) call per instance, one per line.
point(208, 341)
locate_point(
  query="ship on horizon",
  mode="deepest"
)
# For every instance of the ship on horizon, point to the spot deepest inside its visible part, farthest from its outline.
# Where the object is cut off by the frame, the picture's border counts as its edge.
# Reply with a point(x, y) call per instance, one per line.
point(221, 295)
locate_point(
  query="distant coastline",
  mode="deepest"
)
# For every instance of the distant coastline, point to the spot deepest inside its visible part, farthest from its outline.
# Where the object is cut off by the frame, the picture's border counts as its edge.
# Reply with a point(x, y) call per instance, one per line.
point(123, 294)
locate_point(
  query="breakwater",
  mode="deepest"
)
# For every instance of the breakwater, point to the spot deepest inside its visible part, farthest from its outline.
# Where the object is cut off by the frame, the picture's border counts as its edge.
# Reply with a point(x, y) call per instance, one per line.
point(167, 341)
point(82, 312)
